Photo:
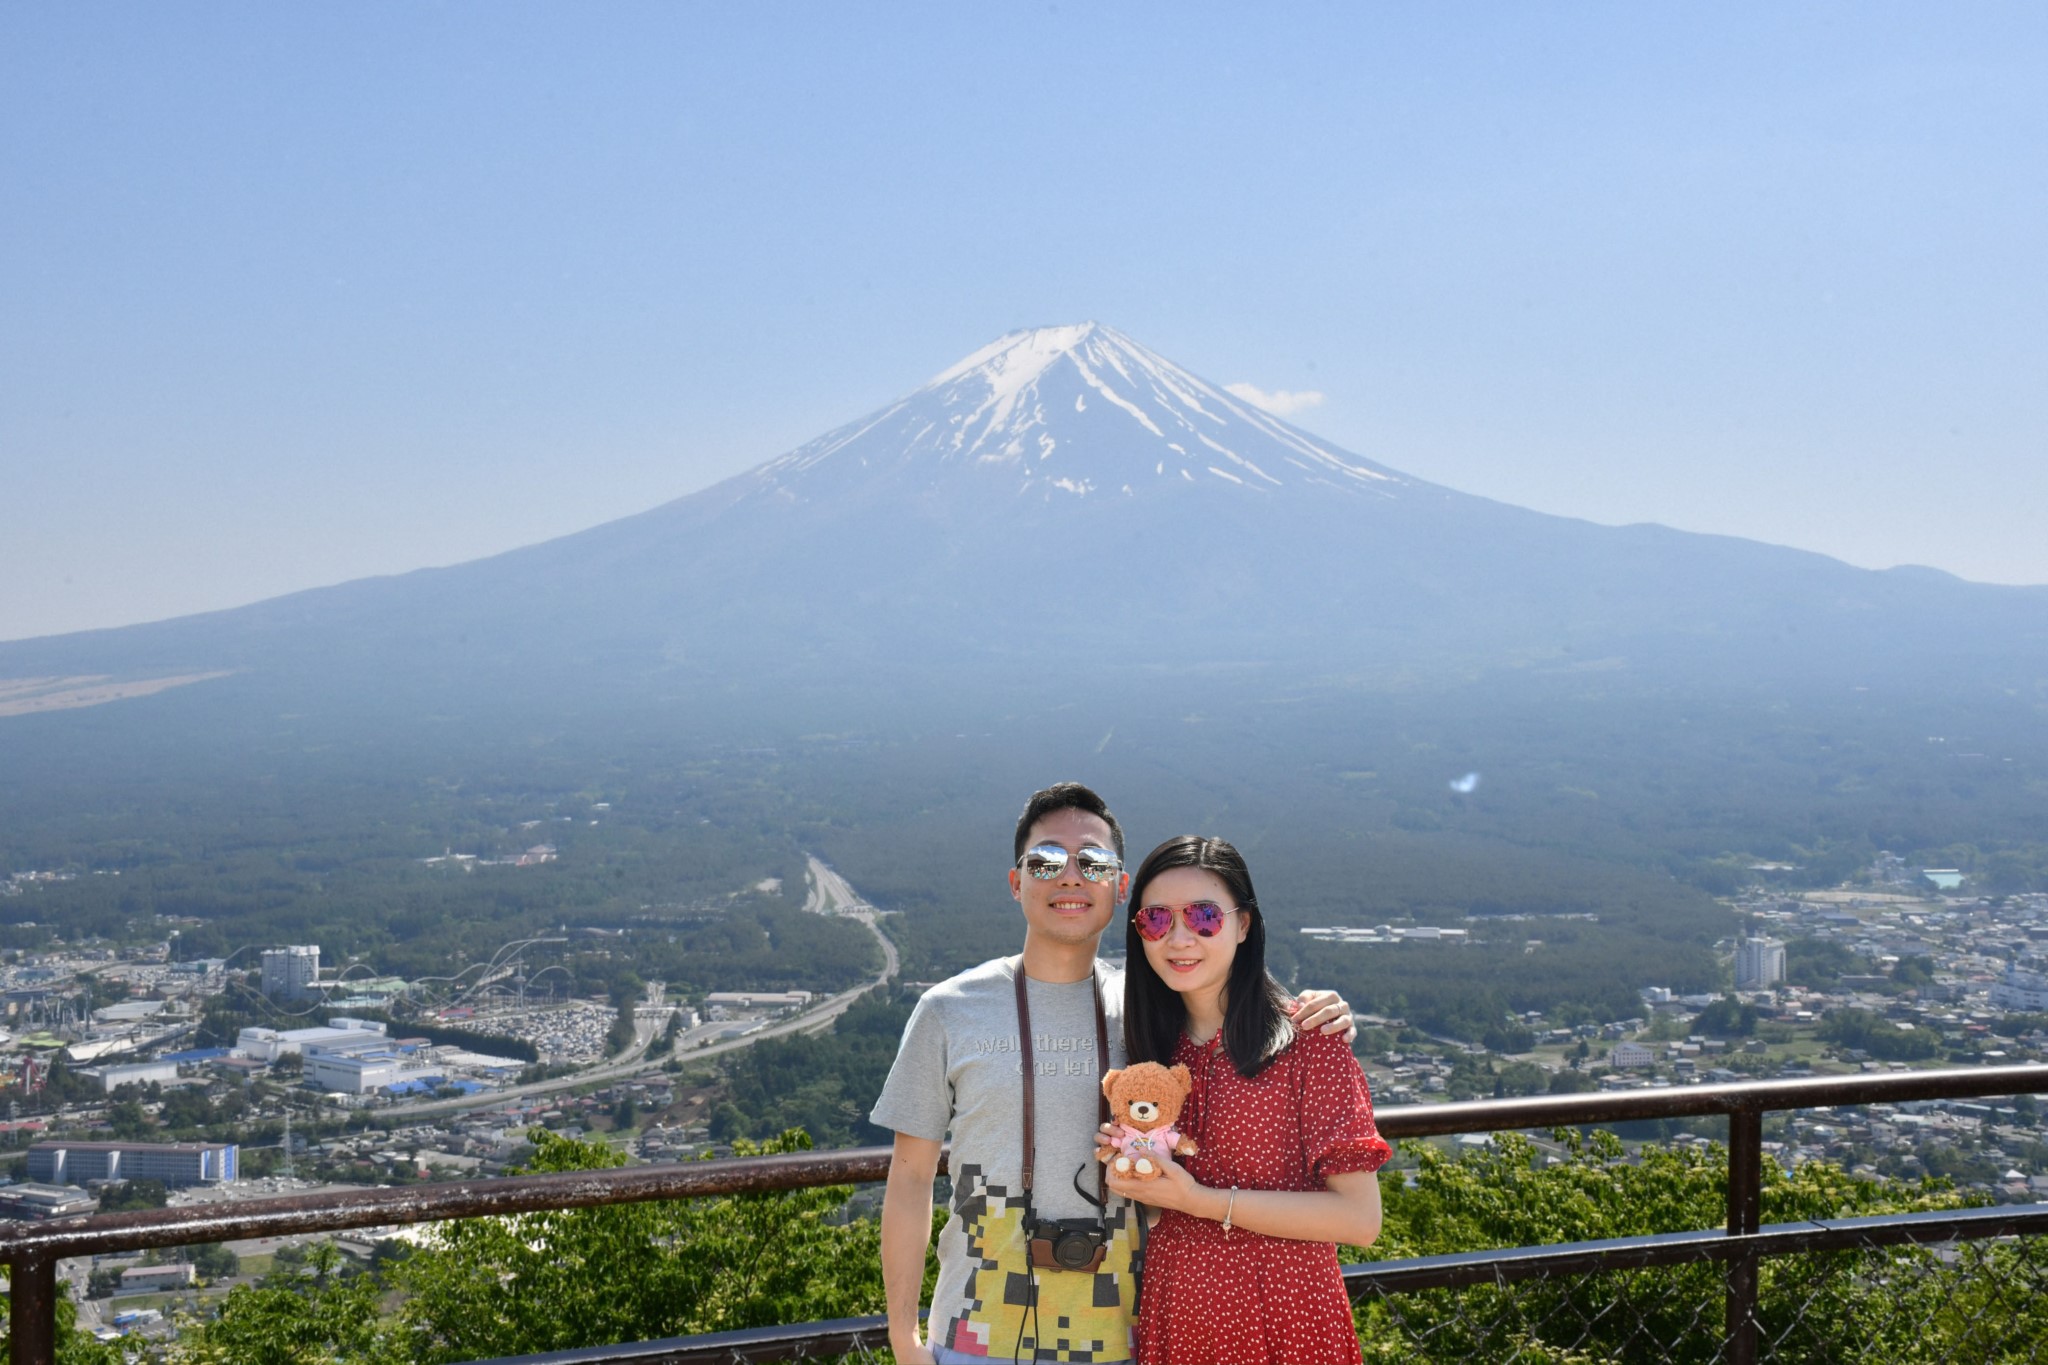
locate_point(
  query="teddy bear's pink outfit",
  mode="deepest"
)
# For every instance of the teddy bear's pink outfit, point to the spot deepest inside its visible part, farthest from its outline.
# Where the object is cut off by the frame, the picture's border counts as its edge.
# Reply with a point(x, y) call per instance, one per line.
point(1137, 1142)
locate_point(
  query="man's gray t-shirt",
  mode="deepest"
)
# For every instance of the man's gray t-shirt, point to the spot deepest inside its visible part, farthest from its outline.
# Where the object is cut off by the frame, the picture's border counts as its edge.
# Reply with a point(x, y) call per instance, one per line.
point(959, 1070)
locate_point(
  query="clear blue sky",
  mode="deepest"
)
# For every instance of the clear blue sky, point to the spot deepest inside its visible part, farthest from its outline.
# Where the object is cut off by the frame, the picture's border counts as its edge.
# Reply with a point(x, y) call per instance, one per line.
point(291, 294)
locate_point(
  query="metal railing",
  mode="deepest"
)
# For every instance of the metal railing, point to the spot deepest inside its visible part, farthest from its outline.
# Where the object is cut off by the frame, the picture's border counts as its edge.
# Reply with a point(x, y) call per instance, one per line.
point(32, 1250)
point(1642, 1298)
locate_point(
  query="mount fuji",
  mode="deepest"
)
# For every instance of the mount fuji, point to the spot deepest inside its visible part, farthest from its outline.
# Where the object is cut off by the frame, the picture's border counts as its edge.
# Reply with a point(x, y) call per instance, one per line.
point(1062, 512)
point(1071, 412)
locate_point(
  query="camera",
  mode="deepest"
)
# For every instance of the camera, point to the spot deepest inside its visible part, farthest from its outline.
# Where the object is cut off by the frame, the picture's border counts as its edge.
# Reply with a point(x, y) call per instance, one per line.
point(1067, 1244)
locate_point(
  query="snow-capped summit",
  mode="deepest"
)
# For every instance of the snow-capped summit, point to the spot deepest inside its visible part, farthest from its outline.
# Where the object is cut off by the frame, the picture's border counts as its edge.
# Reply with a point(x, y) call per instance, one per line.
point(1075, 411)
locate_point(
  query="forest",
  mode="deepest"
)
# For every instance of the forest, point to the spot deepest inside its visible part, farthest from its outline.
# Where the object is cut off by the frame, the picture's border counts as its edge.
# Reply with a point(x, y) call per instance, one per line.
point(823, 1084)
point(1583, 853)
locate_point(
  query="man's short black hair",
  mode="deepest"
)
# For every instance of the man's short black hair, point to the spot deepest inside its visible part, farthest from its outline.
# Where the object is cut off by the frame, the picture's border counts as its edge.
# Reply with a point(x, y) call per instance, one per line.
point(1065, 796)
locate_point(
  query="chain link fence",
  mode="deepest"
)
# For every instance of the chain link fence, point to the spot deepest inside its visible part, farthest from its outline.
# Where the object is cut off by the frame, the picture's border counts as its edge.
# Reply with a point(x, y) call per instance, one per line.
point(1901, 1290)
point(1873, 1302)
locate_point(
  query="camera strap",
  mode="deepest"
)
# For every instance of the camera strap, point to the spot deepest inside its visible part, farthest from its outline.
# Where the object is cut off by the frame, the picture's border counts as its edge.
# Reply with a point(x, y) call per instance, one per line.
point(1029, 1049)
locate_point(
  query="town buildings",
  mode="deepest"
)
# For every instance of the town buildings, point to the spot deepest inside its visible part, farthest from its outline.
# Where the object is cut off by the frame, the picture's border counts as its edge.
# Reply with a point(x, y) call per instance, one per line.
point(2024, 986)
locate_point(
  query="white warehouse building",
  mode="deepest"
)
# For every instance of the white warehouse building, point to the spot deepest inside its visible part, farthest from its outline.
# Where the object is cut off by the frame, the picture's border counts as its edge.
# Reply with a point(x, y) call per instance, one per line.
point(112, 1078)
point(358, 1073)
point(268, 1044)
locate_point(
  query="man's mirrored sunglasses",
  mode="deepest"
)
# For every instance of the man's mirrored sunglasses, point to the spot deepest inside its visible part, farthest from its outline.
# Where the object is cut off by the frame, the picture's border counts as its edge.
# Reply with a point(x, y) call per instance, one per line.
point(1047, 861)
point(1203, 918)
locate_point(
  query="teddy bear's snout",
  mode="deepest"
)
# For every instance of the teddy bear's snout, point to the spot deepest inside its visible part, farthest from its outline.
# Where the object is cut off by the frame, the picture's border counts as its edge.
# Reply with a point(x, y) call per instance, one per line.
point(1144, 1111)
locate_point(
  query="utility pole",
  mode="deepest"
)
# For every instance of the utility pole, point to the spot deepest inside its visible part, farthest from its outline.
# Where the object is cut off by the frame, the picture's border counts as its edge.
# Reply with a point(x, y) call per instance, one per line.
point(288, 1170)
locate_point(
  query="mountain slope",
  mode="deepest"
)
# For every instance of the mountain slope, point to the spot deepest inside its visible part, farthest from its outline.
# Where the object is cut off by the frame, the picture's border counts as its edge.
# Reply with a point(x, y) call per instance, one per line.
point(1065, 493)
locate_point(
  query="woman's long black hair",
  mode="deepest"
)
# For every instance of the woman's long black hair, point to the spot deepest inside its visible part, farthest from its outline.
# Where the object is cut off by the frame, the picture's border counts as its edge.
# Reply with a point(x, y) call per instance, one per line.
point(1255, 1025)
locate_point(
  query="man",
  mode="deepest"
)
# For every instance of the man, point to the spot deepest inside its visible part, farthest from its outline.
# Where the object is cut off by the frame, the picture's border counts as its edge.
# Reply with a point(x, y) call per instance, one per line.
point(960, 1070)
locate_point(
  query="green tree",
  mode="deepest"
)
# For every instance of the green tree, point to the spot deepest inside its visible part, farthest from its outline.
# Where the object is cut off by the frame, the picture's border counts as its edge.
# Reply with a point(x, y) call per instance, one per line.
point(128, 1121)
point(823, 1084)
point(1509, 1036)
point(1913, 970)
point(727, 1122)
point(563, 1279)
point(186, 1107)
point(133, 1194)
point(1867, 1031)
point(626, 991)
point(633, 1272)
point(214, 1261)
point(287, 1265)
point(389, 1251)
point(1727, 1018)
point(73, 1346)
point(1819, 962)
point(322, 1317)
point(1471, 1077)
point(1894, 1305)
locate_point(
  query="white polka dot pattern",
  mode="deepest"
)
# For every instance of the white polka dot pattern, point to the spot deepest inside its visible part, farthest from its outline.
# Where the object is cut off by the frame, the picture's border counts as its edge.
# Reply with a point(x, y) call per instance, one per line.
point(1252, 1299)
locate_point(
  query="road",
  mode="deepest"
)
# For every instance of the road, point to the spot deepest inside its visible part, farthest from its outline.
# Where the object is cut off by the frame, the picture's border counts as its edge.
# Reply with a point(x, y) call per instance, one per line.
point(829, 895)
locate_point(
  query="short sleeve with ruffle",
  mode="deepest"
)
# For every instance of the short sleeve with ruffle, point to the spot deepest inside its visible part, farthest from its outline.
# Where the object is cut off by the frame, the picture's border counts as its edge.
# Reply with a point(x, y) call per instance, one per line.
point(1338, 1134)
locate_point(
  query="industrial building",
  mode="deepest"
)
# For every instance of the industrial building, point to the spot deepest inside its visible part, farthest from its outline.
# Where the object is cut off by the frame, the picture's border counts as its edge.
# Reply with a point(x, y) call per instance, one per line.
point(358, 1073)
point(112, 1078)
point(44, 1201)
point(268, 1044)
point(176, 1164)
point(349, 1056)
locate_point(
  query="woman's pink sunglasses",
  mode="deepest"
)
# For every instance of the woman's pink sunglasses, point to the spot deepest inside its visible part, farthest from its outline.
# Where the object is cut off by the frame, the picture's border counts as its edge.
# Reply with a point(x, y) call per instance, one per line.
point(1203, 918)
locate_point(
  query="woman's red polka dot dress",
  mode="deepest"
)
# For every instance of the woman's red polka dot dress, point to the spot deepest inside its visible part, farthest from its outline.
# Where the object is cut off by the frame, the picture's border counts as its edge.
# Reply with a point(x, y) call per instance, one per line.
point(1250, 1299)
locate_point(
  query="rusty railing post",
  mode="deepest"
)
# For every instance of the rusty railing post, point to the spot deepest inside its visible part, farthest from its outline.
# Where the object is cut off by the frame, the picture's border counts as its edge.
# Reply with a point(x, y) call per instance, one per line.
point(32, 1309)
point(1745, 1216)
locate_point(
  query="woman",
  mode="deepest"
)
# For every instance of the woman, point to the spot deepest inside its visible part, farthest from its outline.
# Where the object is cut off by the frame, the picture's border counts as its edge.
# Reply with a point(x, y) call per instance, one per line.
point(1242, 1265)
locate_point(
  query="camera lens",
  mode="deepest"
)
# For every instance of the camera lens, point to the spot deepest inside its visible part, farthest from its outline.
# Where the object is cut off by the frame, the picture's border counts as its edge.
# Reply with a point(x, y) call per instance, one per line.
point(1073, 1250)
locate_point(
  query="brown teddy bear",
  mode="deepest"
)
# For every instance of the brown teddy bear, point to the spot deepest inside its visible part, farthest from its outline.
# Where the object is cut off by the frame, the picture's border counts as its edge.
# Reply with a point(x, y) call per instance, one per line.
point(1144, 1102)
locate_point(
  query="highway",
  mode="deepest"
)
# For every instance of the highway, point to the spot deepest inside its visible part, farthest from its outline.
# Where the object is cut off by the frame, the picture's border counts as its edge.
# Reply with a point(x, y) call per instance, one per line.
point(829, 895)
